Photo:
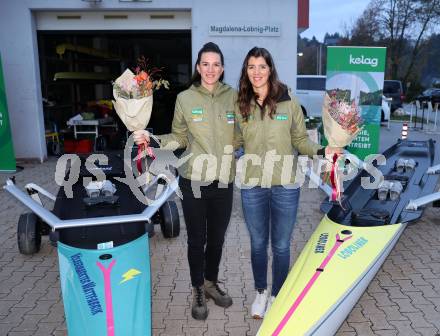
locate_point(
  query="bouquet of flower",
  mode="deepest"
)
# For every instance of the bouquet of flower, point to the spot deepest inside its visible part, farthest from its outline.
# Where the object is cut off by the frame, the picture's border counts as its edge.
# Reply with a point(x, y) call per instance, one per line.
point(342, 120)
point(133, 93)
point(342, 123)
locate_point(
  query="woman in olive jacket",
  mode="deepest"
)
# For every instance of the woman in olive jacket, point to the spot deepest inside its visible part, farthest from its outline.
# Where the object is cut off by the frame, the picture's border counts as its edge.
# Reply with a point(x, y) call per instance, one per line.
point(203, 123)
point(270, 125)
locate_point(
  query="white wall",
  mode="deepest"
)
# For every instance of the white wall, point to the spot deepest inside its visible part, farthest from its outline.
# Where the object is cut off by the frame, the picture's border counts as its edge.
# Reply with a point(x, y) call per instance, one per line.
point(21, 68)
point(22, 79)
point(20, 55)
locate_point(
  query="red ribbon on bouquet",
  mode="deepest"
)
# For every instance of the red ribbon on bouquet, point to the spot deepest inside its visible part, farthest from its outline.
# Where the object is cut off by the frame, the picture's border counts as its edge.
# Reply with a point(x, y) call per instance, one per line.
point(336, 191)
point(150, 153)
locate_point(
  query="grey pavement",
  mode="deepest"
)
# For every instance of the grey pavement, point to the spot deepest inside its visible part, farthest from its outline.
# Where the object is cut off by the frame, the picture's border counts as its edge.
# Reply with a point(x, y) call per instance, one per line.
point(403, 298)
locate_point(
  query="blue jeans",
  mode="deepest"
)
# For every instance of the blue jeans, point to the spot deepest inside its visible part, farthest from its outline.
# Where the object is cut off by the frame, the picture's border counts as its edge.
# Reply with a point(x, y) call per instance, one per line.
point(270, 210)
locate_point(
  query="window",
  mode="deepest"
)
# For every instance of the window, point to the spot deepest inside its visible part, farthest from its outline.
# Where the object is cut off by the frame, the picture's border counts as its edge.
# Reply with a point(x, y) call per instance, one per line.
point(391, 87)
point(311, 83)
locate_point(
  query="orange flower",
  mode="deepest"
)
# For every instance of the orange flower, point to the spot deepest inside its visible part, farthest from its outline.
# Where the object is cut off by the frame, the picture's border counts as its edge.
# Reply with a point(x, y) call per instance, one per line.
point(141, 77)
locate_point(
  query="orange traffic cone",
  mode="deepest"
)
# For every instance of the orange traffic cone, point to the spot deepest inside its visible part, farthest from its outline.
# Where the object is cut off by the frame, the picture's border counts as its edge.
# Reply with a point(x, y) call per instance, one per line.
point(404, 134)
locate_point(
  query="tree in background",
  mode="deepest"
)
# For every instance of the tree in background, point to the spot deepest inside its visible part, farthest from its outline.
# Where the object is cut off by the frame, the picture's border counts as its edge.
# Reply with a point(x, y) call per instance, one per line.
point(307, 63)
point(431, 70)
point(402, 26)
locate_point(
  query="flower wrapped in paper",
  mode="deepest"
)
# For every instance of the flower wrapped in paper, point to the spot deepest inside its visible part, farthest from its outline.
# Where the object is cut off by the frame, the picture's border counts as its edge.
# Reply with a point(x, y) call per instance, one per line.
point(342, 123)
point(133, 94)
point(134, 110)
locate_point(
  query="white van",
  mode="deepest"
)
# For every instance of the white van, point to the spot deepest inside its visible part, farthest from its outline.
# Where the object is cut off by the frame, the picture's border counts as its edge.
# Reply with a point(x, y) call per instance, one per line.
point(310, 90)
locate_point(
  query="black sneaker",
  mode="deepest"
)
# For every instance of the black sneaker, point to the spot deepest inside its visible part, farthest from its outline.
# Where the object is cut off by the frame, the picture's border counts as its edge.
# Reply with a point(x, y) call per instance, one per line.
point(199, 310)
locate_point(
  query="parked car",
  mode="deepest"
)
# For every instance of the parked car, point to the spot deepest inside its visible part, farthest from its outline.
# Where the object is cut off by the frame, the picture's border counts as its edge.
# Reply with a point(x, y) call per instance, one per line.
point(394, 89)
point(310, 90)
point(431, 94)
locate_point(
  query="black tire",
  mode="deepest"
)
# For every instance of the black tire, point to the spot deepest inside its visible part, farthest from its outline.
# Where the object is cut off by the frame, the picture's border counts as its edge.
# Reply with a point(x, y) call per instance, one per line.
point(170, 223)
point(28, 234)
point(54, 148)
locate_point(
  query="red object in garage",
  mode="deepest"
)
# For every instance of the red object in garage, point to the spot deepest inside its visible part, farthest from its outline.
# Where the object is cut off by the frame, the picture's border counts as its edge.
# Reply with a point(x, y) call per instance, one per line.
point(78, 146)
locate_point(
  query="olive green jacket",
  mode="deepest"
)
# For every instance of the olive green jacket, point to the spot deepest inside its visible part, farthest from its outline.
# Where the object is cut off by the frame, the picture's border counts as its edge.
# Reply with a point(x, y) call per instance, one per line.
point(204, 124)
point(270, 144)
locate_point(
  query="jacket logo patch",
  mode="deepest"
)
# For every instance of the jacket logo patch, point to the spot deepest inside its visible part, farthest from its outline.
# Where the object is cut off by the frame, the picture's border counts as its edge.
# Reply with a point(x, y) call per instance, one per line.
point(197, 114)
point(230, 117)
point(281, 117)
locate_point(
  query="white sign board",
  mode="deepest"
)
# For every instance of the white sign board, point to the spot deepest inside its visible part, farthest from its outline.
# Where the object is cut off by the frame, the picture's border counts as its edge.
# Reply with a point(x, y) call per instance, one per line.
point(247, 29)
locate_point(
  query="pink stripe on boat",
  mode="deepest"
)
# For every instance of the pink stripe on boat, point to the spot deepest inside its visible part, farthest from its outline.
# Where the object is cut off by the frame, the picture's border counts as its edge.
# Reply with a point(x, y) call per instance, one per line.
point(309, 285)
point(108, 296)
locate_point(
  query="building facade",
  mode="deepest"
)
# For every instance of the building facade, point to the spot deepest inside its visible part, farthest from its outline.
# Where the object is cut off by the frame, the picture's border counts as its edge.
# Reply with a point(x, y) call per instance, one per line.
point(236, 26)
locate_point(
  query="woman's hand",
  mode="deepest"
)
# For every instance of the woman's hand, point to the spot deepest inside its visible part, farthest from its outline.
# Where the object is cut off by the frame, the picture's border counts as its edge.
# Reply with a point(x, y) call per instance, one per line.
point(141, 137)
point(331, 151)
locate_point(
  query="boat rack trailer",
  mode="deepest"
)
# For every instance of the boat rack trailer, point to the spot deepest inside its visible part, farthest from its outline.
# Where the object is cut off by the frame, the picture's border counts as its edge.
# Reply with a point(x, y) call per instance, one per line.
point(56, 223)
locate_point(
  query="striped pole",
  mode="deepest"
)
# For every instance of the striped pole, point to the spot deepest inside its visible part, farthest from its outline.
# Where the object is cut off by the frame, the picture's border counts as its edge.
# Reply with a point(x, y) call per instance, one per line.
point(404, 134)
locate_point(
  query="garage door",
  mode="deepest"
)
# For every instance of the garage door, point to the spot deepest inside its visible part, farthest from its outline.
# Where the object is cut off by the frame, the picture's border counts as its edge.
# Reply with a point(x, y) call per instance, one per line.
point(110, 20)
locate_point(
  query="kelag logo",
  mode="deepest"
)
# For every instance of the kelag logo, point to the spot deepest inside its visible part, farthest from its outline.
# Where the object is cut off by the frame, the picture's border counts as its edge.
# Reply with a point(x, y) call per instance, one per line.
point(373, 62)
point(87, 285)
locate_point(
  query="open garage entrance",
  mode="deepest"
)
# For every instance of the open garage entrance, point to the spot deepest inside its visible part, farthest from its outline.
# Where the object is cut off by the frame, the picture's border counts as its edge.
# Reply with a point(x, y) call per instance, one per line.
point(77, 69)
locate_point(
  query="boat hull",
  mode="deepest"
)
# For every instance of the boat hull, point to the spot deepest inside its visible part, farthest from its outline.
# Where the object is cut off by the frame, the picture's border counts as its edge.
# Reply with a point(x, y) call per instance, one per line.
point(327, 280)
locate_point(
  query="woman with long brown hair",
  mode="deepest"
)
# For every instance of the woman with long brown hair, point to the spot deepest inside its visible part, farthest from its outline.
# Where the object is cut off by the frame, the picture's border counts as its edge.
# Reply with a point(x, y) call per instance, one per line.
point(271, 127)
point(203, 123)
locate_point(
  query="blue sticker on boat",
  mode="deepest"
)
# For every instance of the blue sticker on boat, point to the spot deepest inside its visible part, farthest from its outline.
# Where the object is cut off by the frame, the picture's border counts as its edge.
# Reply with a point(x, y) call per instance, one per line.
point(87, 285)
point(353, 248)
point(322, 241)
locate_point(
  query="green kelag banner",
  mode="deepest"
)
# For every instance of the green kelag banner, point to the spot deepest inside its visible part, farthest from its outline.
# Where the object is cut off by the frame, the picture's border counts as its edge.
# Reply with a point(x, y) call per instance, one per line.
point(358, 73)
point(7, 157)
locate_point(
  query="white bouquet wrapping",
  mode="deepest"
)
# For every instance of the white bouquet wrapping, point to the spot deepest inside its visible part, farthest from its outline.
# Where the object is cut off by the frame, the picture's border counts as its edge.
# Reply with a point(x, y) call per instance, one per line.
point(133, 109)
point(342, 123)
point(133, 94)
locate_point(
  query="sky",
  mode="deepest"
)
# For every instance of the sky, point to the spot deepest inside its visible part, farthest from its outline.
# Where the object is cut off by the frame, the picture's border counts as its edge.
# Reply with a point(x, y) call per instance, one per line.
point(330, 16)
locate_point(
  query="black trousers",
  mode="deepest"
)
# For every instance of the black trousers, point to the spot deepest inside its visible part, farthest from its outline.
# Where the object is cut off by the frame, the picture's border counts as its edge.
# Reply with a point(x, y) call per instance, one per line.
point(207, 219)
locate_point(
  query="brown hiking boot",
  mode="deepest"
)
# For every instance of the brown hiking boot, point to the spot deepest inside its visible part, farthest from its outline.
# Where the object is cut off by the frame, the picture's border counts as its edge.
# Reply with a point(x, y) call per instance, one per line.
point(199, 310)
point(213, 291)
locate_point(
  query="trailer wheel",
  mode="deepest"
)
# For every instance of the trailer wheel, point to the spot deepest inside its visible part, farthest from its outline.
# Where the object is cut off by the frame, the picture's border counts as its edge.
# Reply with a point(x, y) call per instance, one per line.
point(169, 224)
point(54, 148)
point(28, 234)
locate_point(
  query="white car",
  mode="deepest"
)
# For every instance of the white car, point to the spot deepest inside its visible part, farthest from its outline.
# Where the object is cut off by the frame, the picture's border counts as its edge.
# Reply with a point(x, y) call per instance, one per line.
point(310, 90)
